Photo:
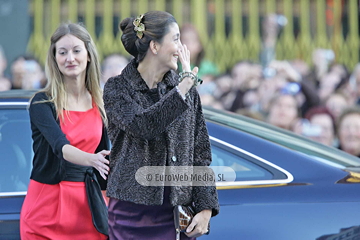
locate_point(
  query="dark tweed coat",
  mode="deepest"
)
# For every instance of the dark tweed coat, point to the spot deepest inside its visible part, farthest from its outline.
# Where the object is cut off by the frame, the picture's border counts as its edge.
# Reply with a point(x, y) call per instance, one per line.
point(155, 127)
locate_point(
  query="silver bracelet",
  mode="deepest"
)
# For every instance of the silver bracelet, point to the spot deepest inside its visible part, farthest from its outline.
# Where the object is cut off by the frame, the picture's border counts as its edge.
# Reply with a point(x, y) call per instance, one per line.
point(195, 78)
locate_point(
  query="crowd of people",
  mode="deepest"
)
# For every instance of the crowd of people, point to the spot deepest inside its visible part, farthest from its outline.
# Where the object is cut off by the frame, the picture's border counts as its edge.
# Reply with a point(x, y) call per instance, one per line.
point(318, 100)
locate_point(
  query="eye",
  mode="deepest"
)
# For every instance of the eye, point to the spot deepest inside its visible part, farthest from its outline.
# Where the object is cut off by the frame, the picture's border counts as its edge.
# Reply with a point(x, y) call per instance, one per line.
point(62, 52)
point(77, 50)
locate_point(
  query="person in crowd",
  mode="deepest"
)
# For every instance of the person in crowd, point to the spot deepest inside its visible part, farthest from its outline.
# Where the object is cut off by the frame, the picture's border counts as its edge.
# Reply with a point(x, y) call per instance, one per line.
point(322, 59)
point(271, 27)
point(5, 83)
point(211, 101)
point(336, 103)
point(283, 111)
point(328, 84)
point(27, 73)
point(305, 92)
point(301, 67)
point(354, 84)
point(348, 130)
point(155, 119)
point(268, 88)
point(340, 70)
point(190, 37)
point(251, 100)
point(320, 126)
point(246, 75)
point(70, 144)
point(112, 65)
point(223, 90)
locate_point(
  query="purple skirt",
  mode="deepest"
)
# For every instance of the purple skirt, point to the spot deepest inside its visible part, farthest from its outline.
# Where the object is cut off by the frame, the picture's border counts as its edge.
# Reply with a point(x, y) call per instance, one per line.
point(131, 221)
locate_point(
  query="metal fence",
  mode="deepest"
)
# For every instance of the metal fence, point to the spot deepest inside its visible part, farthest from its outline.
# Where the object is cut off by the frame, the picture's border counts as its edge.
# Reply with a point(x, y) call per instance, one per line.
point(229, 29)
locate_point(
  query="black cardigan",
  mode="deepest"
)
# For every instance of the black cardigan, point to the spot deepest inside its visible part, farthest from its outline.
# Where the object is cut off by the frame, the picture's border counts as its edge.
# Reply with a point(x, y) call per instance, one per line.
point(48, 141)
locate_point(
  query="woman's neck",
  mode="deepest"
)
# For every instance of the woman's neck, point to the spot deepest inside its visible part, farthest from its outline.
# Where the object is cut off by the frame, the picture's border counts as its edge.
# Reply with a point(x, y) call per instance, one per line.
point(78, 97)
point(150, 72)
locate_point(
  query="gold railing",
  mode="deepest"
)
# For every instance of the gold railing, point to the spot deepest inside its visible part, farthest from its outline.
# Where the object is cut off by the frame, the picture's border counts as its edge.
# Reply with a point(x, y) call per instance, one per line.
point(229, 29)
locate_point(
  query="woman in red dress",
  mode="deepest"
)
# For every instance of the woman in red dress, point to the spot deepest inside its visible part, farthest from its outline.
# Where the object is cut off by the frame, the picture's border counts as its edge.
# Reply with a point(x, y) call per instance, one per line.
point(64, 199)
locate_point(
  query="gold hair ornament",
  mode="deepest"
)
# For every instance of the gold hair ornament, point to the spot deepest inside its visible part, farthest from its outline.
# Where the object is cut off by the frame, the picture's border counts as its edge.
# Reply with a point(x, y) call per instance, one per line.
point(139, 26)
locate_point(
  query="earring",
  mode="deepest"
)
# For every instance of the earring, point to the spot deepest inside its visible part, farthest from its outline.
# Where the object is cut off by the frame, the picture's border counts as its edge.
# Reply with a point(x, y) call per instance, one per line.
point(155, 53)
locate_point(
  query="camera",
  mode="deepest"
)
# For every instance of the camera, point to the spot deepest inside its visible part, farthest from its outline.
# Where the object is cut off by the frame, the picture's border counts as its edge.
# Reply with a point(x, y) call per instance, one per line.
point(310, 130)
point(268, 72)
point(291, 88)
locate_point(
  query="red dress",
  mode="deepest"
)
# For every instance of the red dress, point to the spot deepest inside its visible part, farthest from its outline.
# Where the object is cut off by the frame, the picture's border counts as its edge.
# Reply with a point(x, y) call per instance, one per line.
point(61, 211)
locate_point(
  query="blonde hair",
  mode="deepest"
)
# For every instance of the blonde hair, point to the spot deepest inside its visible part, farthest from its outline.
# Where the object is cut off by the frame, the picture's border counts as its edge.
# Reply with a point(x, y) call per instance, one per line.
point(55, 88)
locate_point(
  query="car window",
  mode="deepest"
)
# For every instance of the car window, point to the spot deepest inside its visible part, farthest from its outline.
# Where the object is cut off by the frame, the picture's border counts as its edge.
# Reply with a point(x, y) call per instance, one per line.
point(245, 167)
point(15, 150)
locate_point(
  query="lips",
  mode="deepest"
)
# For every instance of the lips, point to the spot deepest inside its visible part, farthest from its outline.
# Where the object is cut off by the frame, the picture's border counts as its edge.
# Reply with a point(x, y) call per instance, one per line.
point(70, 66)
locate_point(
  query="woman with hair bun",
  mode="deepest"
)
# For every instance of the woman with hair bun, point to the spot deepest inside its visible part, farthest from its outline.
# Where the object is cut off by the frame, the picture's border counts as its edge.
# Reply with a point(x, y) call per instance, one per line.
point(155, 119)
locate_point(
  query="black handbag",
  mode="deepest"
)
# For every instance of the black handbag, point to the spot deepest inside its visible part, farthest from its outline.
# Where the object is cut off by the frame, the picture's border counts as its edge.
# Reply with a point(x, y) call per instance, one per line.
point(183, 216)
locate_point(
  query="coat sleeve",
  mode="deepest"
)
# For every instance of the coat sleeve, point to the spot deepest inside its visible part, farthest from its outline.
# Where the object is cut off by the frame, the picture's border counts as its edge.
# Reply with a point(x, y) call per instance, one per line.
point(130, 116)
point(204, 197)
point(42, 117)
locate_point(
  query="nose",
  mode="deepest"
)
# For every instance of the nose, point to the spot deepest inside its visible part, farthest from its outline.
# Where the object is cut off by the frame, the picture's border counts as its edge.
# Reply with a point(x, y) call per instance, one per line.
point(70, 57)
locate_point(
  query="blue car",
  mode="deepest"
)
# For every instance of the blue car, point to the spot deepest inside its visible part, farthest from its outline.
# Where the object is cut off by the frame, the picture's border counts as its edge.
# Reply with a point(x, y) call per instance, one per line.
point(286, 187)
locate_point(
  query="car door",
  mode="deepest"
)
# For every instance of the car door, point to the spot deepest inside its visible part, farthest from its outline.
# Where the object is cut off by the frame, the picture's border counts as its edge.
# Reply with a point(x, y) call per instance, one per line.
point(15, 165)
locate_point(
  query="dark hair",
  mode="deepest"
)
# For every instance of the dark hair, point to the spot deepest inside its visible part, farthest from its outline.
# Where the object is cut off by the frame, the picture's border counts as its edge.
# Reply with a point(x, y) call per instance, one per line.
point(156, 27)
point(320, 110)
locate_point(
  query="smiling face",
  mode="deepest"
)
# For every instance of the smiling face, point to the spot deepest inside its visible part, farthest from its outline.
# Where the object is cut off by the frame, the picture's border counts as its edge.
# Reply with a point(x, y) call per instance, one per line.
point(323, 121)
point(167, 51)
point(336, 103)
point(283, 111)
point(349, 134)
point(71, 57)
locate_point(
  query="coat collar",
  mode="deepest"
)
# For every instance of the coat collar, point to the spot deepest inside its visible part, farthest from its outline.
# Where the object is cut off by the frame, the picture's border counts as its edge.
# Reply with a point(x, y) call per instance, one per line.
point(132, 75)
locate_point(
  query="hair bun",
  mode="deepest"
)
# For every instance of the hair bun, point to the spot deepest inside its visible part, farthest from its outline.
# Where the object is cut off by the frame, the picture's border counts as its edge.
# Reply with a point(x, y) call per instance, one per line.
point(128, 37)
point(124, 23)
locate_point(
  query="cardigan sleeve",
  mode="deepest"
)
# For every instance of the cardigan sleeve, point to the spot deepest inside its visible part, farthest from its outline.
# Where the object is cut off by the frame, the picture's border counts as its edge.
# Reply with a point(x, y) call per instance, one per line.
point(103, 145)
point(204, 197)
point(130, 116)
point(42, 117)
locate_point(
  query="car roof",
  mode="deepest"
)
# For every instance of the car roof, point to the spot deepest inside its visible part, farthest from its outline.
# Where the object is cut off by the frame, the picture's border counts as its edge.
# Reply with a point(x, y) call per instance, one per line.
point(280, 136)
point(16, 95)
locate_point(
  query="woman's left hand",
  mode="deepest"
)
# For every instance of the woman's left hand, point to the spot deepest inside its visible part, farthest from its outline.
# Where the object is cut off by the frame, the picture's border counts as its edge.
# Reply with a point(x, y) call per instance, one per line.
point(199, 224)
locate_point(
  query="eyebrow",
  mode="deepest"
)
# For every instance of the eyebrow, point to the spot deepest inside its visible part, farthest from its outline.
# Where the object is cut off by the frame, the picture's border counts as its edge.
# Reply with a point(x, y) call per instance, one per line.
point(66, 48)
